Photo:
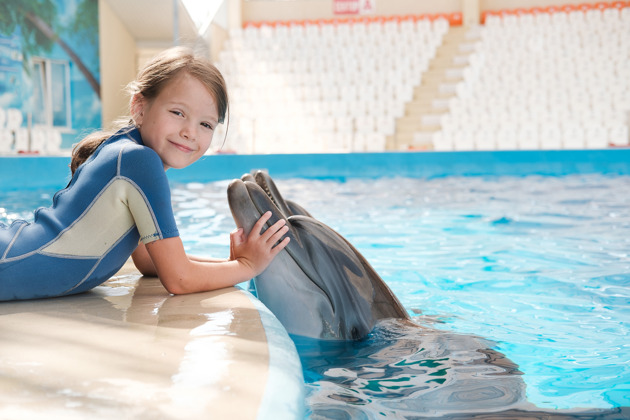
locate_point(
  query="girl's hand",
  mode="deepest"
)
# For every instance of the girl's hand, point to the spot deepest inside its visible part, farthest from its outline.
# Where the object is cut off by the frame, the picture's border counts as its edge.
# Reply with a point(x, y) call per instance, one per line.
point(256, 251)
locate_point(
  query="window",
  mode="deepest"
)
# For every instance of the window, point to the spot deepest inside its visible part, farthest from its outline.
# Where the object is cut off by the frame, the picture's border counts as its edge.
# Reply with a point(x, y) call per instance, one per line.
point(51, 93)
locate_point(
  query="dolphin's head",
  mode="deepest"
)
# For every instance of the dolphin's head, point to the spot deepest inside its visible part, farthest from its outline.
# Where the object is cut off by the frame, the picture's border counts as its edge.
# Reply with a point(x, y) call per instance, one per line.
point(319, 285)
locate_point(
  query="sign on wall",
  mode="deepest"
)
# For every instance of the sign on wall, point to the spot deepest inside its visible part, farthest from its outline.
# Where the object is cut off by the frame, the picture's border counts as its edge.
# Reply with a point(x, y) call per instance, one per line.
point(353, 7)
point(49, 73)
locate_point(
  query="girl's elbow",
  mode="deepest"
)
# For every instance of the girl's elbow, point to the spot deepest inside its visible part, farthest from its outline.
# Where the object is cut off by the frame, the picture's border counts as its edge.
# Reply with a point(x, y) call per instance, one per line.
point(175, 287)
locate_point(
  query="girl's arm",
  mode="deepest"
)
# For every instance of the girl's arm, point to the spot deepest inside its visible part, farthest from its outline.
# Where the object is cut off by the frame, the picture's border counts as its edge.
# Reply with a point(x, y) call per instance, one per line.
point(179, 274)
point(144, 264)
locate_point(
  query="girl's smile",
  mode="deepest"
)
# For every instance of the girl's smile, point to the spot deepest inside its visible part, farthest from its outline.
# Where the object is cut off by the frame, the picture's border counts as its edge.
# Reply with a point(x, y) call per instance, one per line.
point(181, 147)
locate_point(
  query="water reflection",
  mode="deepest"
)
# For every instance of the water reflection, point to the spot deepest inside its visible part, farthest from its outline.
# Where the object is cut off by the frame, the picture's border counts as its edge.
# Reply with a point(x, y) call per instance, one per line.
point(404, 371)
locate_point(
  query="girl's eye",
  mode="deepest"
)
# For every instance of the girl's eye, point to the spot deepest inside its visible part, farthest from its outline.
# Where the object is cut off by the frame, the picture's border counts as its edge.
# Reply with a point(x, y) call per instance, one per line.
point(208, 126)
point(178, 113)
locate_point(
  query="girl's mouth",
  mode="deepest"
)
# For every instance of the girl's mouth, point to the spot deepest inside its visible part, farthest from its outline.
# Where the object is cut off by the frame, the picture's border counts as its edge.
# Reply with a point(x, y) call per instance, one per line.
point(182, 147)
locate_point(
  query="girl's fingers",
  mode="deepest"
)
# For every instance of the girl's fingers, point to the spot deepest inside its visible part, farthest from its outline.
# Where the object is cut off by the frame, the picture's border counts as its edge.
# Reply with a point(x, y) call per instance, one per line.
point(279, 234)
point(272, 235)
point(280, 246)
point(273, 229)
point(236, 236)
point(261, 222)
point(276, 234)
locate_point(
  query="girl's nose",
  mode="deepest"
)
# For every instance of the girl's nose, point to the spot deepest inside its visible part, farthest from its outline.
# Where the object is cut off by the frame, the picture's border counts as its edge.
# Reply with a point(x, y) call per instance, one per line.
point(187, 132)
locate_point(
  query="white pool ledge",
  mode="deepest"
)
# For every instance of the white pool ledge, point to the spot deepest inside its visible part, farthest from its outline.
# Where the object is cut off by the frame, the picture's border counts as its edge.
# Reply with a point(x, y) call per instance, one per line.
point(128, 349)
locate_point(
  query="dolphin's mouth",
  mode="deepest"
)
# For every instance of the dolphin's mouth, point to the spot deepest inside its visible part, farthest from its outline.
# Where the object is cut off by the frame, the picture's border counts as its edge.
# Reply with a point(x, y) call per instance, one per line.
point(262, 182)
point(262, 199)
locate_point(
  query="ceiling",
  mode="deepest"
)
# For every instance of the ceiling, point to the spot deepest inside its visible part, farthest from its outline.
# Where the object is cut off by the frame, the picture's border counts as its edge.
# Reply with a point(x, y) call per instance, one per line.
point(151, 21)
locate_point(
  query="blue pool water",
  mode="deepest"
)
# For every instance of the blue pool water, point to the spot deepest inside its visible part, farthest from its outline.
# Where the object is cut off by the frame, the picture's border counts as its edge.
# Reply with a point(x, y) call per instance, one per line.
point(538, 265)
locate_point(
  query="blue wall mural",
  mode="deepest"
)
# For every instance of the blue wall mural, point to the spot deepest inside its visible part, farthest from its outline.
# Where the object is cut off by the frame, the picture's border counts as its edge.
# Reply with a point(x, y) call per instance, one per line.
point(49, 74)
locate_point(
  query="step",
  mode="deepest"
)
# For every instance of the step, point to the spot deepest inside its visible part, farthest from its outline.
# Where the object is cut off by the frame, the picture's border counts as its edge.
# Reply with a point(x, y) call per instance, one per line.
point(430, 101)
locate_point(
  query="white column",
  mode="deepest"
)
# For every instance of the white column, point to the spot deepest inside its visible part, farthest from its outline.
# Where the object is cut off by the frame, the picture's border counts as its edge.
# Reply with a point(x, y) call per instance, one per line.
point(470, 12)
point(235, 14)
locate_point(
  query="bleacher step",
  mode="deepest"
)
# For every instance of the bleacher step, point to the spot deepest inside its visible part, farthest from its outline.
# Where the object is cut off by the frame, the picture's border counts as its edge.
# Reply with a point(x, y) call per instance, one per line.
point(431, 98)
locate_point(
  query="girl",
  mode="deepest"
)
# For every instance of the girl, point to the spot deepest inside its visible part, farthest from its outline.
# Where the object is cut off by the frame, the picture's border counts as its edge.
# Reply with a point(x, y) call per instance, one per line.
point(118, 202)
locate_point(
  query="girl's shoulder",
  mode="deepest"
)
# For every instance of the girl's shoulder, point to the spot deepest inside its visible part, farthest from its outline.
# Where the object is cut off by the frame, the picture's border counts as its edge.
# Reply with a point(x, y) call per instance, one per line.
point(128, 137)
point(127, 145)
point(134, 159)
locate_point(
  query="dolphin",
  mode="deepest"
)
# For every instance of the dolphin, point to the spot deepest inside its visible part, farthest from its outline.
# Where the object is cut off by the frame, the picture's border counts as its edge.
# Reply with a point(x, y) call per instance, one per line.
point(319, 286)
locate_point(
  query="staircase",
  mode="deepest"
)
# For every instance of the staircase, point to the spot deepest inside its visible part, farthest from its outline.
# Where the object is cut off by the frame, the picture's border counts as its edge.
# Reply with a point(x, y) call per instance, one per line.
point(430, 101)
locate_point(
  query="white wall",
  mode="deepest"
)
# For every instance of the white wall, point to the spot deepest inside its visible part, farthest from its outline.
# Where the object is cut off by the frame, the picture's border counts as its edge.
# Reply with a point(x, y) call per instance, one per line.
point(270, 10)
point(275, 10)
point(118, 64)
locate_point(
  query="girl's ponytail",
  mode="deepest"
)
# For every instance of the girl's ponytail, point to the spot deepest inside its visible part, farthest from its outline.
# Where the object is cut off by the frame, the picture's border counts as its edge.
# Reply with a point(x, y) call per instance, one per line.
point(84, 149)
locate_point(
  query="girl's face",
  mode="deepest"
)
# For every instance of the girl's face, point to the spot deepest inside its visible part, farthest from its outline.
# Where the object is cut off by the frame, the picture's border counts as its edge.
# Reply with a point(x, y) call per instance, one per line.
point(179, 123)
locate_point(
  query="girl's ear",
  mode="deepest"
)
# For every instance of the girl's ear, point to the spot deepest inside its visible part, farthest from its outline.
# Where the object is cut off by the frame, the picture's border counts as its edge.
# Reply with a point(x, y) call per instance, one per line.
point(137, 108)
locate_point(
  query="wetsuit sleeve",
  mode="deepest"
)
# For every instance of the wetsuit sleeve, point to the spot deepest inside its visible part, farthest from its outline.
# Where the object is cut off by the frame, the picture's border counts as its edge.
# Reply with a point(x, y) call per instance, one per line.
point(149, 199)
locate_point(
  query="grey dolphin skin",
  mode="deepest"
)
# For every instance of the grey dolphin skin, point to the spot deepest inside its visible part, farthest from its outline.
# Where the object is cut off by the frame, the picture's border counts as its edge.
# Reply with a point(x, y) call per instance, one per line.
point(319, 286)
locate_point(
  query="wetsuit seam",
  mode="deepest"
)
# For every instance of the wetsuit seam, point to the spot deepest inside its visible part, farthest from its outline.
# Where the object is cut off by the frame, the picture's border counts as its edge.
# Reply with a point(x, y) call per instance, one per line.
point(99, 260)
point(12, 242)
point(68, 256)
point(119, 161)
point(147, 204)
point(69, 227)
point(149, 207)
point(142, 194)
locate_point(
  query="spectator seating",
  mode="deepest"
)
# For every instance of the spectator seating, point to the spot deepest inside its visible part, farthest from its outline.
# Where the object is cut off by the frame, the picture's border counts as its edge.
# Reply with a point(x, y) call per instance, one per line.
point(544, 79)
point(325, 86)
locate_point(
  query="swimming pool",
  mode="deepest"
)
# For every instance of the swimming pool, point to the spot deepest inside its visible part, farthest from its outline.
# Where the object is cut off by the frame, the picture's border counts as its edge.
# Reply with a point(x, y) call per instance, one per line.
point(537, 263)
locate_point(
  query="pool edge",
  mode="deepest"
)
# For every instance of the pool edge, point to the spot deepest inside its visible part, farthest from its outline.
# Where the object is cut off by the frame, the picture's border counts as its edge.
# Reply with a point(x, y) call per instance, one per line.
point(285, 370)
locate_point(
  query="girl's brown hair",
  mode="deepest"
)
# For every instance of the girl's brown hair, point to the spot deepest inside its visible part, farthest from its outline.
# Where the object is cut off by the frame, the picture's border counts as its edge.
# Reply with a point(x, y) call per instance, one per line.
point(150, 82)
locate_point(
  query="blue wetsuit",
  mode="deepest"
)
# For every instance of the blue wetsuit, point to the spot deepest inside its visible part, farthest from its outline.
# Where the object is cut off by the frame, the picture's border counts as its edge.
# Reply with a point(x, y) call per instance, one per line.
point(119, 196)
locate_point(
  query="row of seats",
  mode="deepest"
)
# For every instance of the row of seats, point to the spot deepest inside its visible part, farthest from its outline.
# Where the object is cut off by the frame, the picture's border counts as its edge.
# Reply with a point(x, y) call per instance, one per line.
point(304, 141)
point(299, 133)
point(36, 140)
point(334, 31)
point(559, 81)
point(576, 13)
point(530, 137)
point(15, 138)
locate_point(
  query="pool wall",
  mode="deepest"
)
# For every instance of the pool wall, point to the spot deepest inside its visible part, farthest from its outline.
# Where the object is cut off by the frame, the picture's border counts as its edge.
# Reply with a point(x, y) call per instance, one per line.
point(53, 172)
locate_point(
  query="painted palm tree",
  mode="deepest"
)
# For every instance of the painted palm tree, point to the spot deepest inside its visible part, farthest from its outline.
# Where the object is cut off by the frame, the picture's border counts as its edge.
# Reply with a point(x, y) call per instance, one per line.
point(37, 21)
